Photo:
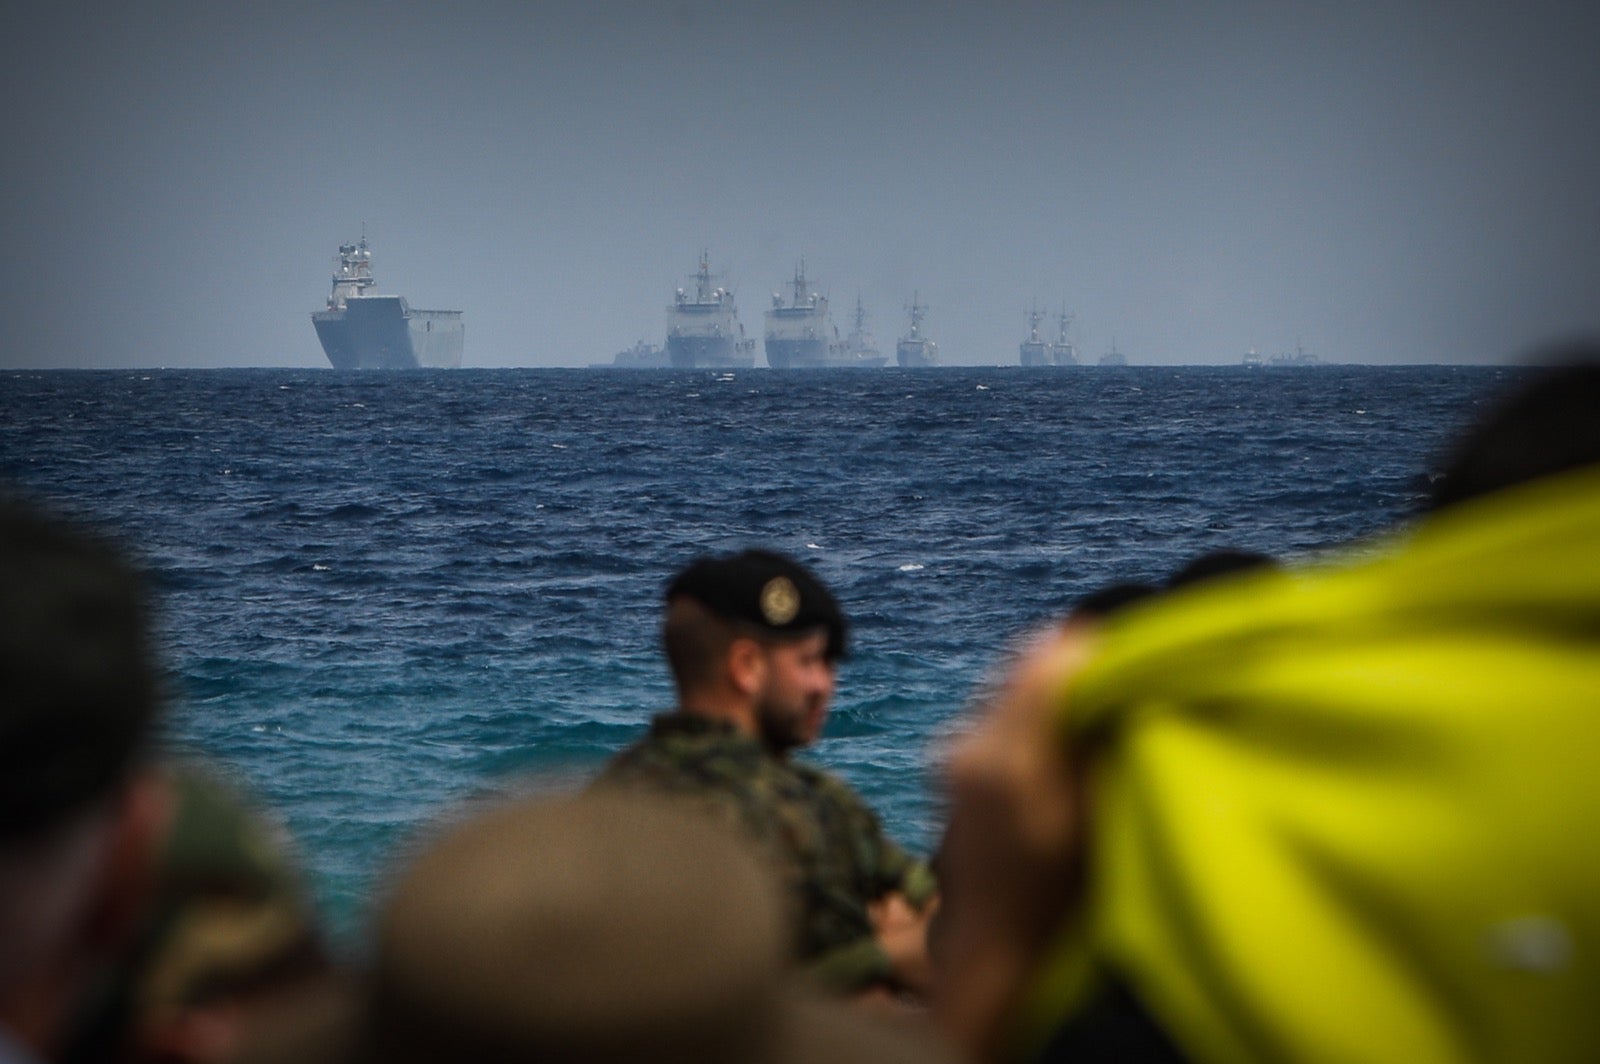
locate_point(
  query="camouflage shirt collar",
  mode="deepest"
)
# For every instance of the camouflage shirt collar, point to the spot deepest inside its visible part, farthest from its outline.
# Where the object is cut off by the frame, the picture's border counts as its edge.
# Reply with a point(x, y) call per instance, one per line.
point(682, 722)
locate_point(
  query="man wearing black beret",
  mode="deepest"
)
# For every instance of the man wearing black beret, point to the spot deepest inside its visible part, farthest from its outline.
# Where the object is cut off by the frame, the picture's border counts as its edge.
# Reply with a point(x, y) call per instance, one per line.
point(754, 641)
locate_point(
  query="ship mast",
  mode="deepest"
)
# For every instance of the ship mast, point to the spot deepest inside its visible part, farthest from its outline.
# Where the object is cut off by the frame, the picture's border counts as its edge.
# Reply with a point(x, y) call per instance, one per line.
point(1061, 338)
point(800, 284)
point(703, 278)
point(1034, 318)
point(918, 312)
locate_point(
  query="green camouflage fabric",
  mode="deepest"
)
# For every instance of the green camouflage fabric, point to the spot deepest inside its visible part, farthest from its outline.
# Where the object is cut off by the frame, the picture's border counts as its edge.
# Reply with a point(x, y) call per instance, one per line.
point(826, 845)
point(228, 918)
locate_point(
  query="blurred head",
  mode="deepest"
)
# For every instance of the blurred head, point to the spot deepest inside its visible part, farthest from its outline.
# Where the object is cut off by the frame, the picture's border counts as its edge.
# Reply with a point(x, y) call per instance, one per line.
point(1215, 563)
point(78, 705)
point(1548, 425)
point(599, 929)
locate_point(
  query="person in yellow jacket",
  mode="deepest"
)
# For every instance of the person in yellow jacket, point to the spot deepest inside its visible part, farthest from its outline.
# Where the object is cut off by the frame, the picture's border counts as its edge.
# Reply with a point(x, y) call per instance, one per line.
point(1348, 812)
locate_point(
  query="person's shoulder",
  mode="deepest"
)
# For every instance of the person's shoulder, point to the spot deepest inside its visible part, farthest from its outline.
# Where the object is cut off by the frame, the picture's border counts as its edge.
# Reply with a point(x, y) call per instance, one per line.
point(682, 751)
point(826, 785)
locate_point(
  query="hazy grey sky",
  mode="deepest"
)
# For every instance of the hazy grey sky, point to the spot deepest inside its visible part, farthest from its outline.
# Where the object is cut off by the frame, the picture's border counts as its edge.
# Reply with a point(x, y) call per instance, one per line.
point(1385, 182)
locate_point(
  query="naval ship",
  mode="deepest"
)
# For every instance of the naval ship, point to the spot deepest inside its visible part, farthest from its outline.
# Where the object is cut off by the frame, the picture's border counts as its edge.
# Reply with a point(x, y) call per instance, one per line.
point(362, 330)
point(861, 347)
point(703, 329)
point(914, 349)
point(801, 335)
point(1061, 352)
point(1035, 351)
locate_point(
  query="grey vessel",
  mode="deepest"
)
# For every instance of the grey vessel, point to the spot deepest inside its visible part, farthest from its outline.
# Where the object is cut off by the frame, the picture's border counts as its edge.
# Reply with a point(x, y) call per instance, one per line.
point(360, 329)
point(1113, 357)
point(703, 329)
point(915, 350)
point(800, 333)
point(1034, 350)
point(1301, 357)
point(640, 356)
point(1062, 352)
point(861, 347)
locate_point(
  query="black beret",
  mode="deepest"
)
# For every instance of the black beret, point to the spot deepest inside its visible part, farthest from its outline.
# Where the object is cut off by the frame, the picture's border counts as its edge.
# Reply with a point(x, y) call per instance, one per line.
point(765, 590)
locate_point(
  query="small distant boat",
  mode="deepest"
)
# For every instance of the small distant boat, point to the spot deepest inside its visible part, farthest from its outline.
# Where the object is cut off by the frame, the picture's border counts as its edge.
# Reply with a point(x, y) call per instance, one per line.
point(1113, 357)
point(1251, 359)
point(1300, 357)
point(640, 356)
point(915, 350)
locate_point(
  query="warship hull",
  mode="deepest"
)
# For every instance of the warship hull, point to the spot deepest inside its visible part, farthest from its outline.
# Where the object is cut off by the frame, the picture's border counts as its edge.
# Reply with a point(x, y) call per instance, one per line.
point(805, 353)
point(1036, 354)
point(709, 352)
point(383, 332)
point(916, 354)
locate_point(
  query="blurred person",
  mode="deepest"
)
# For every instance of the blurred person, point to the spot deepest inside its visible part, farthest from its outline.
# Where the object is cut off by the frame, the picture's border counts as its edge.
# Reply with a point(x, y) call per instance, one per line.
point(1548, 425)
point(79, 705)
point(1224, 561)
point(600, 929)
point(226, 940)
point(753, 640)
point(1339, 814)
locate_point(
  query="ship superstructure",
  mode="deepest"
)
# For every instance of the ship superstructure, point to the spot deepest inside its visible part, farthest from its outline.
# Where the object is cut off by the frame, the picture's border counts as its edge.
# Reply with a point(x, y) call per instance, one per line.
point(914, 349)
point(360, 329)
point(861, 347)
point(703, 329)
point(1035, 350)
point(1061, 351)
point(1300, 357)
point(800, 333)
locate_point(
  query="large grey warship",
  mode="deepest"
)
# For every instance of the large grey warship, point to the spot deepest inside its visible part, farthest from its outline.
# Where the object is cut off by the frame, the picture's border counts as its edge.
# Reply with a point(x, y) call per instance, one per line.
point(800, 334)
point(703, 330)
point(1062, 352)
point(914, 349)
point(362, 330)
point(1034, 350)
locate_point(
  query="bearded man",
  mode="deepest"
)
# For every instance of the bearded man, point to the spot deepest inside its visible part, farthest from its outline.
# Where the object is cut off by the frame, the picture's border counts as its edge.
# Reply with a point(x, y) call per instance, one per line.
point(754, 641)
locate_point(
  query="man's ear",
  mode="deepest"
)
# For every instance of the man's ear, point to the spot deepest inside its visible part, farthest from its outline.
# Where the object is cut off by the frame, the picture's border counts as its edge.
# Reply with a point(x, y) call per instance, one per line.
point(747, 666)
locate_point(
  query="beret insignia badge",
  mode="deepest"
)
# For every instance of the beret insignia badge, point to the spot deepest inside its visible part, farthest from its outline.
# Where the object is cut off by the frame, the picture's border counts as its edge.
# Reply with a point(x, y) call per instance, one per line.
point(780, 601)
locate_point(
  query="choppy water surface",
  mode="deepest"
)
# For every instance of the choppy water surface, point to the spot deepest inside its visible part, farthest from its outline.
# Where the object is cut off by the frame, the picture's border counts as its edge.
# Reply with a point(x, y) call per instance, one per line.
point(382, 593)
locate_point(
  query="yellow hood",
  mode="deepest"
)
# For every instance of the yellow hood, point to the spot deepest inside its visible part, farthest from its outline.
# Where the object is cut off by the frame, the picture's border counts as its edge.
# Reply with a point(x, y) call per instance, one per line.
point(1353, 814)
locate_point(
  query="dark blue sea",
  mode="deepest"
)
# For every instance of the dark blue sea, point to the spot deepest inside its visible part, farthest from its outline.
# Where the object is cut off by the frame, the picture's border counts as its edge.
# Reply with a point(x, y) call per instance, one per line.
point(382, 594)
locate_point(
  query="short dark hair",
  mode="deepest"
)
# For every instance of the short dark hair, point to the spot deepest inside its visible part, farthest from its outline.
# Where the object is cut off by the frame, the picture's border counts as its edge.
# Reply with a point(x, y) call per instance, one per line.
point(695, 640)
point(78, 691)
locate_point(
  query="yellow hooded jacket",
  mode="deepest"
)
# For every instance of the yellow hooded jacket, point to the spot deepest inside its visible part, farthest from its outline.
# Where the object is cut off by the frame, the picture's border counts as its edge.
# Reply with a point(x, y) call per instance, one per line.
point(1353, 814)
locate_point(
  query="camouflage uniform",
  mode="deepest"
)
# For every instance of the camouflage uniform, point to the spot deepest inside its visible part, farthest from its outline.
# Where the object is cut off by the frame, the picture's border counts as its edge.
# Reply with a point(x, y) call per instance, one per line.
point(227, 922)
point(826, 845)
